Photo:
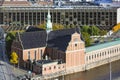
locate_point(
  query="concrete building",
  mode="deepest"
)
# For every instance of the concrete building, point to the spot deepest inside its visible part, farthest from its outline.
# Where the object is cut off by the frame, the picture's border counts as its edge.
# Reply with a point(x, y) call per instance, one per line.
point(118, 15)
point(104, 18)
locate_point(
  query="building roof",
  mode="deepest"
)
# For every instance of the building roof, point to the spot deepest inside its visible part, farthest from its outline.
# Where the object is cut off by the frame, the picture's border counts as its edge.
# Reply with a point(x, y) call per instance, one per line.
point(32, 29)
point(33, 39)
point(60, 39)
point(102, 46)
point(16, 3)
point(41, 62)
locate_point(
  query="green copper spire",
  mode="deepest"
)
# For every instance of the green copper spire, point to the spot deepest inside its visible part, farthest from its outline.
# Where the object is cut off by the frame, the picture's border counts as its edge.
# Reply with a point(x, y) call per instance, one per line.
point(49, 23)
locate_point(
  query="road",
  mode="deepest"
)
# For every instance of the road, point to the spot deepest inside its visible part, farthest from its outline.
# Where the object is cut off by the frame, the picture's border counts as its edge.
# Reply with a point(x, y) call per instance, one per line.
point(5, 69)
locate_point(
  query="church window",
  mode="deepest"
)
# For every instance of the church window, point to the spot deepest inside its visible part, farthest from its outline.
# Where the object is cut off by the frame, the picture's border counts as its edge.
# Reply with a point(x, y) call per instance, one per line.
point(28, 54)
point(89, 57)
point(95, 55)
point(35, 55)
point(75, 45)
point(49, 68)
point(59, 67)
point(54, 67)
point(45, 69)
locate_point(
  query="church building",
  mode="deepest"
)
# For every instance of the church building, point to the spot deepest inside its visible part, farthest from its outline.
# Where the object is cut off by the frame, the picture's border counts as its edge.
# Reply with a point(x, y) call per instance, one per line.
point(46, 51)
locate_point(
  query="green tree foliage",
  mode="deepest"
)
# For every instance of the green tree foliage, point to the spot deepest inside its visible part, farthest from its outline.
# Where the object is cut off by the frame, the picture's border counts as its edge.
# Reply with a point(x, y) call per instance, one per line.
point(9, 39)
point(85, 29)
point(86, 37)
point(103, 32)
point(95, 30)
point(42, 25)
point(55, 26)
point(14, 58)
point(88, 31)
point(116, 27)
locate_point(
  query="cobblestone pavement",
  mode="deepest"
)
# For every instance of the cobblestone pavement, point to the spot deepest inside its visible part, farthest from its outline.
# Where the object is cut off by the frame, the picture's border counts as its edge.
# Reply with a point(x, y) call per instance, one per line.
point(8, 71)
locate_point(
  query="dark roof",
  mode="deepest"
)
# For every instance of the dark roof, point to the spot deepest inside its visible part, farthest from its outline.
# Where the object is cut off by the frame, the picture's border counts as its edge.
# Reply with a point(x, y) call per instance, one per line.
point(45, 61)
point(60, 39)
point(33, 39)
point(62, 32)
point(32, 29)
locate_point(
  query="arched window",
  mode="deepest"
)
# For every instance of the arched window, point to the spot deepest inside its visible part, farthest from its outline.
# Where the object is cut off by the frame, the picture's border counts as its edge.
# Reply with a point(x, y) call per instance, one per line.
point(49, 68)
point(92, 56)
point(95, 55)
point(44, 69)
point(89, 57)
point(54, 67)
point(100, 54)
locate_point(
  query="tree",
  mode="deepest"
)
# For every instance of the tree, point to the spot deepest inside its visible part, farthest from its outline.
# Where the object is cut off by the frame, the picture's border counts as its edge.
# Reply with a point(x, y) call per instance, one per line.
point(87, 39)
point(9, 39)
point(57, 26)
point(85, 29)
point(116, 28)
point(14, 58)
point(103, 32)
point(42, 25)
point(95, 30)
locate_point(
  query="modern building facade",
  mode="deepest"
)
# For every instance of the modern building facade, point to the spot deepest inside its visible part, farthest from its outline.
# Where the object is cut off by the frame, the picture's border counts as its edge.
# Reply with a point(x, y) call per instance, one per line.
point(104, 18)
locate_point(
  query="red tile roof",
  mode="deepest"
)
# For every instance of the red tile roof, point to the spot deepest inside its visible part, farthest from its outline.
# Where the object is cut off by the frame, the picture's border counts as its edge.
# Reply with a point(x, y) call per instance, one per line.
point(16, 3)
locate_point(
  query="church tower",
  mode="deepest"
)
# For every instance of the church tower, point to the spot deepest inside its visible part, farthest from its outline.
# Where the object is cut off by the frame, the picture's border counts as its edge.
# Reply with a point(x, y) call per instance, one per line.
point(49, 23)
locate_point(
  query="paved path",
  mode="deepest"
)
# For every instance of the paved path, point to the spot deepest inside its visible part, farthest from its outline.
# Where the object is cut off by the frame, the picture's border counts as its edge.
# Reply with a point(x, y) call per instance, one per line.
point(5, 69)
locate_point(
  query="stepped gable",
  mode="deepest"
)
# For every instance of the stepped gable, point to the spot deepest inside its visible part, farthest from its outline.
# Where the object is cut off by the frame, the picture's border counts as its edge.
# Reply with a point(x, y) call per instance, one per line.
point(34, 39)
point(60, 39)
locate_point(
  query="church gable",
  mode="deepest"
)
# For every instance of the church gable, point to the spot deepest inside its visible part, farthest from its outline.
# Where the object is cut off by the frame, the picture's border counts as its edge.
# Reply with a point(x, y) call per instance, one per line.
point(75, 51)
point(76, 42)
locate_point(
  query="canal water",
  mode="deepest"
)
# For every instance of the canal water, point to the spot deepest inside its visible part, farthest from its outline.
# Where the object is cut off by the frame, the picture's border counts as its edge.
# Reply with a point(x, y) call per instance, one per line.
point(98, 73)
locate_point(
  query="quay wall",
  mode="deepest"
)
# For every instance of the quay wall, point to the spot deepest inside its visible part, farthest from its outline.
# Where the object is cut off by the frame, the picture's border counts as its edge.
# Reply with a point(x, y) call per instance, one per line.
point(78, 68)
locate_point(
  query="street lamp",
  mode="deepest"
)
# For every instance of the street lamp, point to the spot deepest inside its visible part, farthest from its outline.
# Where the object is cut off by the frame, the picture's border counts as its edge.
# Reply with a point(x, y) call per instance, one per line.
point(110, 67)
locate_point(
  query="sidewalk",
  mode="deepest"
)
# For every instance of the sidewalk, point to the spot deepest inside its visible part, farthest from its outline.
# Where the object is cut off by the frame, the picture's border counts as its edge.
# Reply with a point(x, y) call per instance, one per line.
point(17, 71)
